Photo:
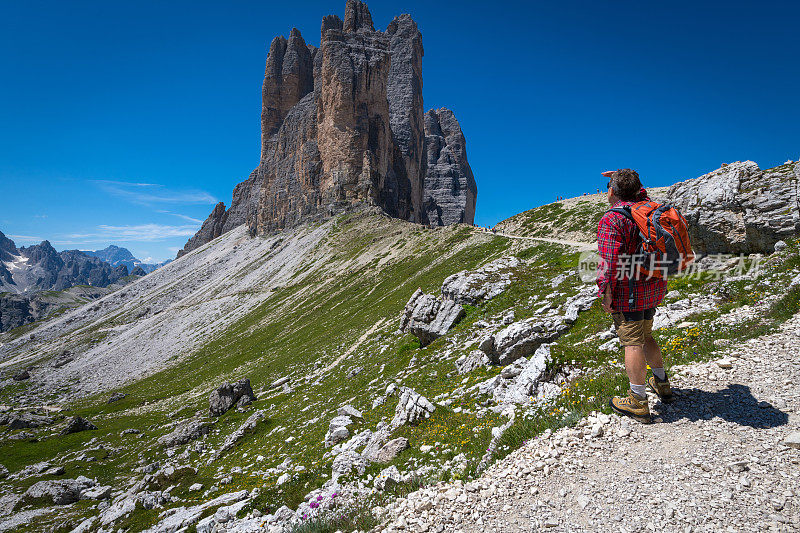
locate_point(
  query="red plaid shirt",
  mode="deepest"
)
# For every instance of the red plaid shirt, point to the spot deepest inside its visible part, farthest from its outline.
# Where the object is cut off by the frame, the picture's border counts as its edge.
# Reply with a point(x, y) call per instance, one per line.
point(617, 235)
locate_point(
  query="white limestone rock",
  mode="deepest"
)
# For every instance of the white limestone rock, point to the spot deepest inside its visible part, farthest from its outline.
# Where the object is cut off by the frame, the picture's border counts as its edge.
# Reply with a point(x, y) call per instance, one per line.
point(475, 286)
point(428, 317)
point(411, 409)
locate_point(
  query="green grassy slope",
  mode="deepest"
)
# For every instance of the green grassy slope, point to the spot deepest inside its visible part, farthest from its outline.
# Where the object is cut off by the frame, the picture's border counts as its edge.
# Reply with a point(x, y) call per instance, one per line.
point(349, 307)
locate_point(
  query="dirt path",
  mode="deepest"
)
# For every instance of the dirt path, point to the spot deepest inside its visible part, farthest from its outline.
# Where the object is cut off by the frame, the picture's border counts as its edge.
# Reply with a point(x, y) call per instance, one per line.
point(352, 348)
point(716, 459)
point(577, 244)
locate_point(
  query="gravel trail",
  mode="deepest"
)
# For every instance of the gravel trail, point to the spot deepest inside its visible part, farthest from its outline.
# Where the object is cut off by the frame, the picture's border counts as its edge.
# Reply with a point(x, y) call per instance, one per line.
point(716, 459)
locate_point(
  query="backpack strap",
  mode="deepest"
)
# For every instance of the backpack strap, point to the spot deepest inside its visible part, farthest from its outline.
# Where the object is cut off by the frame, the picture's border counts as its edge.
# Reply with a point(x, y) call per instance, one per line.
point(625, 211)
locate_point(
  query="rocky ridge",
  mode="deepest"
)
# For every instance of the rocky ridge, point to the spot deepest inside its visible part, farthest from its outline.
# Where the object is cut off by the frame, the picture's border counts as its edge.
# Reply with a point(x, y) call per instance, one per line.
point(740, 208)
point(342, 125)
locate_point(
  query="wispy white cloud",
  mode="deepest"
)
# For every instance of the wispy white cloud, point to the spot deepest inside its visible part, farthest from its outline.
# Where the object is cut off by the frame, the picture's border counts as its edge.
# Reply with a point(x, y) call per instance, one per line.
point(132, 233)
point(184, 217)
point(152, 193)
point(39, 216)
point(23, 239)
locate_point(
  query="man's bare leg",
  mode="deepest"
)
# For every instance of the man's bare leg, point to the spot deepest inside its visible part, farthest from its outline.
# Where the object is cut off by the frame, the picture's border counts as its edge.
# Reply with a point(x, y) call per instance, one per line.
point(652, 352)
point(636, 367)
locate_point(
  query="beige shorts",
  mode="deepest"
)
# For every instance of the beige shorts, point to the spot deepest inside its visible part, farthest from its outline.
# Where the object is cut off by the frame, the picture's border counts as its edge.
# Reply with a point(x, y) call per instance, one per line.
point(634, 328)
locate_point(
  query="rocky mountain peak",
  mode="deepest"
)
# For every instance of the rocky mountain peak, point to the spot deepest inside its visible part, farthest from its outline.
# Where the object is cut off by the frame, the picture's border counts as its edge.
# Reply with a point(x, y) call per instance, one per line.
point(330, 22)
point(344, 125)
point(7, 248)
point(450, 192)
point(357, 17)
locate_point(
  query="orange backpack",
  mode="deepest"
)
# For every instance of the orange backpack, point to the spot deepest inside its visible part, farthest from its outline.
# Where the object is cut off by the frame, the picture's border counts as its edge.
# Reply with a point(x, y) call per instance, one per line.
point(664, 248)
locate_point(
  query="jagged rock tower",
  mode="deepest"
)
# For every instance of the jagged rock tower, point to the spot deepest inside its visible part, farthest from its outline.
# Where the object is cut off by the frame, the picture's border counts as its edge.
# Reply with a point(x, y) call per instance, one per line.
point(344, 124)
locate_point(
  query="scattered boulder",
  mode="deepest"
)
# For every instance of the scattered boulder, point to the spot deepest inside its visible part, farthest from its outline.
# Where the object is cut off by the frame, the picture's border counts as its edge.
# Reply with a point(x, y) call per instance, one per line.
point(279, 382)
point(346, 462)
point(3, 472)
point(57, 491)
point(117, 396)
point(411, 409)
point(522, 338)
point(375, 444)
point(349, 410)
point(337, 430)
point(793, 440)
point(64, 357)
point(248, 426)
point(519, 385)
point(27, 420)
point(359, 440)
point(97, 493)
point(428, 317)
point(22, 376)
point(471, 361)
point(739, 208)
point(185, 432)
point(153, 499)
point(170, 474)
point(780, 246)
point(475, 286)
point(77, 424)
point(34, 469)
point(388, 478)
point(229, 395)
point(580, 302)
point(391, 449)
point(54, 471)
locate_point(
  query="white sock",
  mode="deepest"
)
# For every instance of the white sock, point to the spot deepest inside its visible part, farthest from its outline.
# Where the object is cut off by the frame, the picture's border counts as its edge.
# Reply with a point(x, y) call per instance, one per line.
point(639, 390)
point(659, 373)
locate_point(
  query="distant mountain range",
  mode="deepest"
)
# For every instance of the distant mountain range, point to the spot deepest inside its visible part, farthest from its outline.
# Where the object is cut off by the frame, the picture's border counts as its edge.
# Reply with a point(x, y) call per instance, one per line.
point(40, 267)
point(116, 256)
point(37, 281)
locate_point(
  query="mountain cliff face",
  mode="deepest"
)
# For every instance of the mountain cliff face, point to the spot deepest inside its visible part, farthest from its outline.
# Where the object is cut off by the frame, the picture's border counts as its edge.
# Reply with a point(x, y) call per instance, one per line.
point(342, 125)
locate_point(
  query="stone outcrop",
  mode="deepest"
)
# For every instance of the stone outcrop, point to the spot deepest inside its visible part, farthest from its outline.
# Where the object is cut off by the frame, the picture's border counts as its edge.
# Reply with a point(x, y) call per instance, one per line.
point(428, 318)
point(343, 125)
point(391, 449)
point(247, 427)
point(522, 338)
point(186, 431)
point(210, 230)
point(77, 424)
point(411, 409)
point(337, 430)
point(228, 395)
point(740, 208)
point(450, 191)
point(58, 491)
point(475, 286)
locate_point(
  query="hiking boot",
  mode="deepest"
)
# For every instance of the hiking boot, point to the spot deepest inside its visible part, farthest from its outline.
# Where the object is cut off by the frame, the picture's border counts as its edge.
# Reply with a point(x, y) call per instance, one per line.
point(661, 388)
point(633, 406)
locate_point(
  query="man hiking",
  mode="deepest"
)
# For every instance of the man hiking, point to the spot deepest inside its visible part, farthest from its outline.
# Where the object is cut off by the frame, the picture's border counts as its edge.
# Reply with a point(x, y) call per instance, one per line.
point(630, 297)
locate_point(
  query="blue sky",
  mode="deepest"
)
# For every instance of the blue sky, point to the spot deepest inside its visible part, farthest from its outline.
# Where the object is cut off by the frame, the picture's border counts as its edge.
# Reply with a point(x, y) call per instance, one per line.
point(124, 122)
